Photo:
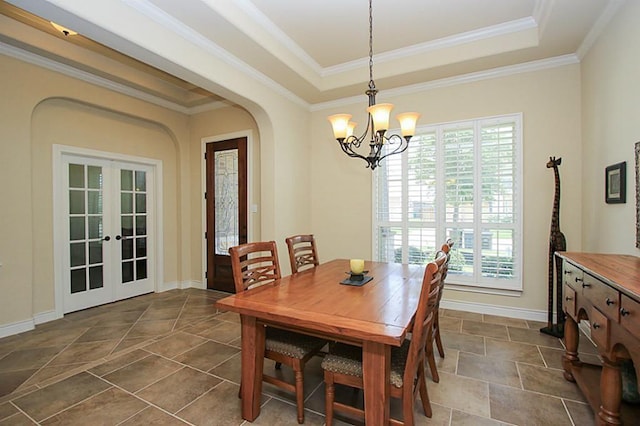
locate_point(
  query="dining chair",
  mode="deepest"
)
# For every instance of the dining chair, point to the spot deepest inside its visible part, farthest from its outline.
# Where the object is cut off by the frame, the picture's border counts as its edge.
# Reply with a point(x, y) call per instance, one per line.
point(343, 364)
point(434, 333)
point(255, 264)
point(302, 252)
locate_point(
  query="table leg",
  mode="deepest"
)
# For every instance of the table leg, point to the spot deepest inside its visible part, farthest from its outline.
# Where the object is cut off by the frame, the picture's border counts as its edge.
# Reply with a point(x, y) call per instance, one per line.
point(611, 393)
point(570, 356)
point(376, 366)
point(253, 335)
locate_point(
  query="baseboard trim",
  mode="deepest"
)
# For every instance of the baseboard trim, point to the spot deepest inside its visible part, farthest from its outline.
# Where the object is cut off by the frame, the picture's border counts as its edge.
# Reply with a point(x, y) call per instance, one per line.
point(16, 327)
point(43, 317)
point(175, 285)
point(502, 311)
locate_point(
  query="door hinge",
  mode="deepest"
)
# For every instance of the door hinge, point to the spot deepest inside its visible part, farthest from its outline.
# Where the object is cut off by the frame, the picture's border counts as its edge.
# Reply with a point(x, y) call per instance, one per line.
point(206, 274)
point(205, 235)
point(205, 195)
point(205, 155)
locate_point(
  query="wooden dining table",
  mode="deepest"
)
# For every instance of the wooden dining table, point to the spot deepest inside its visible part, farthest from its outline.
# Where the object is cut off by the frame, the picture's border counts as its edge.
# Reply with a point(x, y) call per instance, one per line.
point(376, 316)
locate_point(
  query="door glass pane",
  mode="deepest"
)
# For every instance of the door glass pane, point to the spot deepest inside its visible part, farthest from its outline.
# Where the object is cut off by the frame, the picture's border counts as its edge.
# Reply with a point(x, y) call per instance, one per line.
point(95, 202)
point(95, 252)
point(141, 225)
point(77, 254)
point(94, 175)
point(76, 176)
point(78, 280)
point(76, 202)
point(141, 180)
point(141, 247)
point(126, 180)
point(127, 272)
point(126, 198)
point(226, 201)
point(95, 226)
point(141, 203)
point(127, 248)
point(76, 228)
point(127, 226)
point(95, 277)
point(141, 269)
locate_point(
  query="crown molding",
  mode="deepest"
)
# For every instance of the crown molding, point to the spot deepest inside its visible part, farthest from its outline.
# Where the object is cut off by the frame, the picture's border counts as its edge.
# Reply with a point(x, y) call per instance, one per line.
point(603, 20)
point(172, 24)
point(542, 64)
point(542, 14)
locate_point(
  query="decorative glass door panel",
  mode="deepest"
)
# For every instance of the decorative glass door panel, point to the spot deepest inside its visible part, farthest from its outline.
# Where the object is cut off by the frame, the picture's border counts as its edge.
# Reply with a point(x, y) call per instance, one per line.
point(133, 220)
point(226, 201)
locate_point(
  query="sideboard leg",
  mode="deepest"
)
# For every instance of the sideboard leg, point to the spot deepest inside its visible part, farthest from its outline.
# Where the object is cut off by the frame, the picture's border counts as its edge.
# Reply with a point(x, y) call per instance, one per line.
point(611, 393)
point(571, 342)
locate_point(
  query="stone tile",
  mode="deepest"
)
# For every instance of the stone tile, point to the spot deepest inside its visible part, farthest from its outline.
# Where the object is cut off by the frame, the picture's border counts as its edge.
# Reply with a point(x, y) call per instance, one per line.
point(476, 328)
point(7, 410)
point(553, 357)
point(23, 359)
point(110, 407)
point(463, 315)
point(177, 390)
point(461, 393)
point(153, 416)
point(463, 342)
point(313, 377)
point(120, 318)
point(488, 369)
point(12, 380)
point(458, 418)
point(117, 362)
point(230, 369)
point(84, 352)
point(229, 316)
point(526, 408)
point(47, 373)
point(514, 322)
point(175, 344)
point(139, 374)
point(580, 413)
point(50, 338)
point(160, 314)
point(513, 351)
point(548, 381)
point(207, 356)
point(448, 364)
point(151, 328)
point(280, 413)
point(222, 400)
point(127, 344)
point(533, 337)
point(450, 324)
point(198, 311)
point(223, 332)
point(536, 325)
point(95, 334)
point(50, 400)
point(17, 419)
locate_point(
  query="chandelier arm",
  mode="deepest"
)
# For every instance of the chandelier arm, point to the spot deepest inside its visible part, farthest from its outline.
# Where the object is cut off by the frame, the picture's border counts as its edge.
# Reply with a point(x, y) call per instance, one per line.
point(402, 147)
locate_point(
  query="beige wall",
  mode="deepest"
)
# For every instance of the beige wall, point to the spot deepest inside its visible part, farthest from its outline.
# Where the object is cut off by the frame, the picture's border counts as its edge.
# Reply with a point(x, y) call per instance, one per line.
point(610, 99)
point(550, 103)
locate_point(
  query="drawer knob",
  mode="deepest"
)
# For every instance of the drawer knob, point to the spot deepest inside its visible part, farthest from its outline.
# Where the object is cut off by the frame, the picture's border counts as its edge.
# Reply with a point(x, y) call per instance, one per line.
point(578, 279)
point(586, 285)
point(567, 298)
point(609, 302)
point(567, 272)
point(624, 312)
point(596, 325)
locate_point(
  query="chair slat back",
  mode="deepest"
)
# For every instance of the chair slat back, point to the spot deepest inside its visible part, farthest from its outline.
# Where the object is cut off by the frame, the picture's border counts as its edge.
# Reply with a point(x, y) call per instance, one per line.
point(424, 316)
point(254, 264)
point(302, 252)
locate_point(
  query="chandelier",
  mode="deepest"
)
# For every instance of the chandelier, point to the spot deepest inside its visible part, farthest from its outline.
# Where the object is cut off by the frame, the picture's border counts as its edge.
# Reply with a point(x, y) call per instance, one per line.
point(377, 123)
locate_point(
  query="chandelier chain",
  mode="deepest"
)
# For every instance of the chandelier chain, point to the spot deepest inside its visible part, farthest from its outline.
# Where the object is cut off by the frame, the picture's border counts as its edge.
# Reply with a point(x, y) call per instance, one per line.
point(371, 83)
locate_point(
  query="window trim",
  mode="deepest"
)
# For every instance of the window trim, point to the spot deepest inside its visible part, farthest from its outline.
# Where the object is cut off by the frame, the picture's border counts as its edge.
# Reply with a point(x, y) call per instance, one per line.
point(473, 284)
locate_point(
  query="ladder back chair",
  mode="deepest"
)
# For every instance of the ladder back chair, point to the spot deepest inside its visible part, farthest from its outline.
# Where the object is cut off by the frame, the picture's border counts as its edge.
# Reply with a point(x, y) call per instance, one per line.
point(255, 264)
point(302, 252)
point(343, 364)
point(434, 333)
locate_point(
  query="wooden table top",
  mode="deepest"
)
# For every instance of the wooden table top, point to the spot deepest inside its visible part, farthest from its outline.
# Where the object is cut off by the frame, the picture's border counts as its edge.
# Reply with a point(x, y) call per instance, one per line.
point(618, 270)
point(379, 311)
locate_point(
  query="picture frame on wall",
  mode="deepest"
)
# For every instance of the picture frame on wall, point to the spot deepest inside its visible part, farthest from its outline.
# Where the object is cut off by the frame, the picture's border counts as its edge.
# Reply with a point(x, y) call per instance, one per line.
point(637, 151)
point(615, 183)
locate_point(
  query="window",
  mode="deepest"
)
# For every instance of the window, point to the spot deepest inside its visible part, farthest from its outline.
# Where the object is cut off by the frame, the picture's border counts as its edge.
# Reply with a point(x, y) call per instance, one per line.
point(462, 181)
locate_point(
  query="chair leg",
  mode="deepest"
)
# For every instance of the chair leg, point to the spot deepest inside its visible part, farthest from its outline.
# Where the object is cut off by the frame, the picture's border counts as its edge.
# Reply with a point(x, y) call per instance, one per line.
point(439, 343)
point(424, 395)
point(300, 396)
point(329, 396)
point(432, 365)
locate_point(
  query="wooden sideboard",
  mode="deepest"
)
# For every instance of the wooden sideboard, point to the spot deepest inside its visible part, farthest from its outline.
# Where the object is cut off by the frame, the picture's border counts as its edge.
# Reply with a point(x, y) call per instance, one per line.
point(605, 290)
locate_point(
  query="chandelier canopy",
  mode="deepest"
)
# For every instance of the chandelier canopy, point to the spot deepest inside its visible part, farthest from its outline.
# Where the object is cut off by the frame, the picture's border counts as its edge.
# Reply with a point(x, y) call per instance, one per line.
point(377, 123)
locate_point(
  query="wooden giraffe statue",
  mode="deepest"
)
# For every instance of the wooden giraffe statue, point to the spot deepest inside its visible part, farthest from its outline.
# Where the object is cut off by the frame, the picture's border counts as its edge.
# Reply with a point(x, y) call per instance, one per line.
point(557, 242)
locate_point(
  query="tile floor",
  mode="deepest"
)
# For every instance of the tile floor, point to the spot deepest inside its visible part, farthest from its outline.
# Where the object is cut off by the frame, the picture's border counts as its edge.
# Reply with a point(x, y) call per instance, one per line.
point(172, 358)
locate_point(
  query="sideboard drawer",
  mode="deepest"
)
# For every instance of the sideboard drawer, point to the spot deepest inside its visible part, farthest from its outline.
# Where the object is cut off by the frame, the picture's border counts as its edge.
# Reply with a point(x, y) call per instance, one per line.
point(599, 329)
point(603, 297)
point(572, 275)
point(569, 302)
point(630, 315)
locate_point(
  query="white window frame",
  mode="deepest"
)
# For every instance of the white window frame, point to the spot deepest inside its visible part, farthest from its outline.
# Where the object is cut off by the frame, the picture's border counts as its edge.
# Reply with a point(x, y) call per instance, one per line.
point(475, 282)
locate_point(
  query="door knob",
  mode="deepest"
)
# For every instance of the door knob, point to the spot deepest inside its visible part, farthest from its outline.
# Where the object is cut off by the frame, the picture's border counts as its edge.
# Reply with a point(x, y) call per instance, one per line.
point(107, 238)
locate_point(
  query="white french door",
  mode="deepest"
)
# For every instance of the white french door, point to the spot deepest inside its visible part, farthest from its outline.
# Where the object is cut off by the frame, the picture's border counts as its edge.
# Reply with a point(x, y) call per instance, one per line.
point(107, 230)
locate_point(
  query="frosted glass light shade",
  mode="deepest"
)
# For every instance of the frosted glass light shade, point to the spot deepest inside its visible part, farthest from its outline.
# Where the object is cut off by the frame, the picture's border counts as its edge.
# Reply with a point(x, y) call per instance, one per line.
point(350, 128)
point(380, 114)
point(340, 124)
point(408, 122)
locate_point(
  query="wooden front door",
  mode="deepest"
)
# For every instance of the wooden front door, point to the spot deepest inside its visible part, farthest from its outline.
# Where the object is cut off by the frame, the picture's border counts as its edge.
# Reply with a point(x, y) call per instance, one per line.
point(226, 208)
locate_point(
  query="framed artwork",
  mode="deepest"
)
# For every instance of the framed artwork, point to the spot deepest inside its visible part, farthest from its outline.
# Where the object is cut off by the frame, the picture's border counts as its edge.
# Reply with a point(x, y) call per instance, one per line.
point(615, 183)
point(638, 195)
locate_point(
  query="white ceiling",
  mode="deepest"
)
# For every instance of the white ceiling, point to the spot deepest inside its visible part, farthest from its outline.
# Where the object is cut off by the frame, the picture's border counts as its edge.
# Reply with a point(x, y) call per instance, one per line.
point(318, 50)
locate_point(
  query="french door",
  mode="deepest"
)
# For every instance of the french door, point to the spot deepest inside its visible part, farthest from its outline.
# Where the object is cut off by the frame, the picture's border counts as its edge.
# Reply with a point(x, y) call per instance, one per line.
point(108, 230)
